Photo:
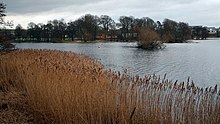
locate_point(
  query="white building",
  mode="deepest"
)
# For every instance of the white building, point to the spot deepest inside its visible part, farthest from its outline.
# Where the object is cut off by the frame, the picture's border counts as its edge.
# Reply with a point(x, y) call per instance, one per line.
point(212, 30)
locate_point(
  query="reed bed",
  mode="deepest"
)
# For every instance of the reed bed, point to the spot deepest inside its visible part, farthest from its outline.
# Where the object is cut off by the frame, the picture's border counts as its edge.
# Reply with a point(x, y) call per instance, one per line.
point(68, 88)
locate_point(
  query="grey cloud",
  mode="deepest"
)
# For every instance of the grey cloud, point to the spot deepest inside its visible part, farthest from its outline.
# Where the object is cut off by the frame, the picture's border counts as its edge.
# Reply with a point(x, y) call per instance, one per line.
point(34, 6)
point(201, 12)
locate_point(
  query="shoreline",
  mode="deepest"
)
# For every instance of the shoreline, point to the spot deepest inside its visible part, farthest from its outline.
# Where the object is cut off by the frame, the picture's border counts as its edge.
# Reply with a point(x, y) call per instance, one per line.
point(107, 41)
point(75, 41)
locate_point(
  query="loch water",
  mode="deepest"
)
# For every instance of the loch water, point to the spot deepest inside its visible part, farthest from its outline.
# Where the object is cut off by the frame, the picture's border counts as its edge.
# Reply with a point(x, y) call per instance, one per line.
point(200, 61)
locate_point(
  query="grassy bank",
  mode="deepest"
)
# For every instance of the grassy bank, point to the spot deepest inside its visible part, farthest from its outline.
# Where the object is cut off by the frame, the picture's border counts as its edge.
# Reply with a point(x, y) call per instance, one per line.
point(63, 87)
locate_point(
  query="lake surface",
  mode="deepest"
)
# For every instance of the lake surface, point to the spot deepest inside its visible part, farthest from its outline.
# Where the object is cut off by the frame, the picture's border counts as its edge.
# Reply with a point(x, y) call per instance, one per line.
point(200, 61)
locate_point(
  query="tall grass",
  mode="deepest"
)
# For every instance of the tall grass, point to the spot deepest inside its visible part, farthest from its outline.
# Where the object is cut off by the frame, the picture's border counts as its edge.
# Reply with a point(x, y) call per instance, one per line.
point(71, 88)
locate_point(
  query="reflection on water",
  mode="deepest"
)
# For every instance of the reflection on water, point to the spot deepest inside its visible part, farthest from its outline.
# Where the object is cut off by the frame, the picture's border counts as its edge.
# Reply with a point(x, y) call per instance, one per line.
point(200, 61)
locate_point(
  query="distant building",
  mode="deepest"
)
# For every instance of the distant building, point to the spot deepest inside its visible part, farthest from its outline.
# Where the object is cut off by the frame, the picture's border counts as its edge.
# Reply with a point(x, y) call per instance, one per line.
point(108, 36)
point(200, 32)
point(212, 30)
point(130, 35)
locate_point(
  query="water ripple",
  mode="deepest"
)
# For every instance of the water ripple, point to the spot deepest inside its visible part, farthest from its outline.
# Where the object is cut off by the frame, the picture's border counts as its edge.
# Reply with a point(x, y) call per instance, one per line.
point(200, 61)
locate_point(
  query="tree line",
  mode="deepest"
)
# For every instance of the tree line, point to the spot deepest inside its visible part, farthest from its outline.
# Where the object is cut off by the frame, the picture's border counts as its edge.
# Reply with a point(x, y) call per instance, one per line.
point(91, 27)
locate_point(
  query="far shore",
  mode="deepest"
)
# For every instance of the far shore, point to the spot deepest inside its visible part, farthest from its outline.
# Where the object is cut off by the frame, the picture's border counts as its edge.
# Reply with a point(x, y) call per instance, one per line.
point(63, 41)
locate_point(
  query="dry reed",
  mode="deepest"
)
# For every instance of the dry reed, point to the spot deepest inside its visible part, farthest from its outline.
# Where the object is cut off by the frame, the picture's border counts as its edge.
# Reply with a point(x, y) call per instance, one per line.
point(71, 88)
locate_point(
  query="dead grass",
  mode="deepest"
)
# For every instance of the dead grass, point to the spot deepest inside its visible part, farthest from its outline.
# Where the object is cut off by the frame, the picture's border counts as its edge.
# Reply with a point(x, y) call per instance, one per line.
point(63, 87)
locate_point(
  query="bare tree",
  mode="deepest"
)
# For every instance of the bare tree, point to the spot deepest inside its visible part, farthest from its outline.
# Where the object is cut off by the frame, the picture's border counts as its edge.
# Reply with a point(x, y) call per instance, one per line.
point(3, 23)
point(183, 32)
point(169, 30)
point(4, 37)
point(127, 23)
point(19, 32)
point(87, 27)
point(71, 29)
point(2, 12)
point(106, 23)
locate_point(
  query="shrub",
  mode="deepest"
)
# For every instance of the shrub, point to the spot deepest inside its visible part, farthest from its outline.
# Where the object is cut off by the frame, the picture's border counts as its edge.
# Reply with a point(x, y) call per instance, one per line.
point(148, 38)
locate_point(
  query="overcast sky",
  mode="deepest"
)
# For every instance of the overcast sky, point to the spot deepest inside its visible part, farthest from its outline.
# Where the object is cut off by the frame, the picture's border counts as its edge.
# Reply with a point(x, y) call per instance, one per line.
point(194, 12)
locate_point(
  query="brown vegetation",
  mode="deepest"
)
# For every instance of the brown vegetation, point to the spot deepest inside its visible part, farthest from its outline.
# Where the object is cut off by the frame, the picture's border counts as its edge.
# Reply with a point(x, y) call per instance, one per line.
point(148, 39)
point(63, 87)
